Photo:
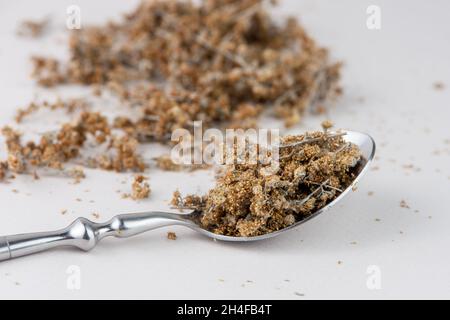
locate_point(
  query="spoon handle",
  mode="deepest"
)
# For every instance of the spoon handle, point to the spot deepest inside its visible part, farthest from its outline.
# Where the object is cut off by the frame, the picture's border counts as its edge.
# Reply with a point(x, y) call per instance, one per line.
point(85, 234)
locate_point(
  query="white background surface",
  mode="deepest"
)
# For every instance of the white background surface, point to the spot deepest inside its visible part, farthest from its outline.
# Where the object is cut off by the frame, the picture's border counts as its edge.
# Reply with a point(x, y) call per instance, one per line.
point(388, 92)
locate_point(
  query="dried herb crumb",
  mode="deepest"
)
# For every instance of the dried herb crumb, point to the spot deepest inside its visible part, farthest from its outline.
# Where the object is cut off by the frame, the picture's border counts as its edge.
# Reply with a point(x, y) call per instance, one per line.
point(164, 162)
point(96, 215)
point(239, 61)
point(77, 174)
point(140, 188)
point(439, 85)
point(33, 28)
point(404, 205)
point(171, 236)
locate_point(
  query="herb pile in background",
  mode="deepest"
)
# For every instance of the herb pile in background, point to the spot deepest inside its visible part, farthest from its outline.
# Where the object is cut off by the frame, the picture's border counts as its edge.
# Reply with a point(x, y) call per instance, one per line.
point(171, 63)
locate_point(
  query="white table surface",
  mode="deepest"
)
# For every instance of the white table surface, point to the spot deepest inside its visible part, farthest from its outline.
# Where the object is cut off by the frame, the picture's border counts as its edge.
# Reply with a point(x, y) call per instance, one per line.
point(388, 83)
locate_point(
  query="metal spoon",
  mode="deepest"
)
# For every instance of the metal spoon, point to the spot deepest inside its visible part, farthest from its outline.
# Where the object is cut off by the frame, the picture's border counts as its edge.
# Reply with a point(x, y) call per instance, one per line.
point(85, 234)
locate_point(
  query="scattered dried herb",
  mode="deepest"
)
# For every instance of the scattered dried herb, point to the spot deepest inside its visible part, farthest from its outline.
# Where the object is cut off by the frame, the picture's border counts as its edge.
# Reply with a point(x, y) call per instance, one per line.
point(404, 205)
point(33, 28)
point(223, 62)
point(216, 61)
point(68, 106)
point(3, 170)
point(96, 215)
point(165, 163)
point(56, 148)
point(171, 236)
point(140, 188)
point(77, 174)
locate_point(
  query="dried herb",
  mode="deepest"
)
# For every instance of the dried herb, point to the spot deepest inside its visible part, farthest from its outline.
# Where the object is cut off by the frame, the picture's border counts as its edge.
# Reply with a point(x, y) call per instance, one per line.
point(55, 149)
point(33, 28)
point(69, 106)
point(314, 169)
point(171, 236)
point(220, 61)
point(140, 188)
point(173, 62)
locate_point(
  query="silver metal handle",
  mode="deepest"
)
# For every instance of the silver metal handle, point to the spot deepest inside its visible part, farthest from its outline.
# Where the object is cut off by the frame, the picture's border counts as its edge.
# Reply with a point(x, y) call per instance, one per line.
point(85, 234)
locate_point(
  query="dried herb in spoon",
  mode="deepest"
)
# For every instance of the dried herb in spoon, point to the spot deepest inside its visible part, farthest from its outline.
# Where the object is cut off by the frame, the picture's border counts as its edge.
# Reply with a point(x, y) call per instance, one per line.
point(314, 169)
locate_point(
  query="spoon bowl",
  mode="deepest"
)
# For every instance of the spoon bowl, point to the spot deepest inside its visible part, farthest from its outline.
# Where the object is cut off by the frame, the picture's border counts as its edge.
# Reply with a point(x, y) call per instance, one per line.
point(367, 146)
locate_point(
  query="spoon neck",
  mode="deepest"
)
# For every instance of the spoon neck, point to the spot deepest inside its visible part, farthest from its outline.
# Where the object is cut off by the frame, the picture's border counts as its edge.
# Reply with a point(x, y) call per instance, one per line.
point(127, 225)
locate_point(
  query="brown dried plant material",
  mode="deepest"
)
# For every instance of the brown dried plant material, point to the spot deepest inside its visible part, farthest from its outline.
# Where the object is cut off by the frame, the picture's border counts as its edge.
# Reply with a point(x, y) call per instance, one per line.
point(187, 202)
point(56, 149)
point(314, 169)
point(177, 199)
point(96, 215)
point(327, 124)
point(3, 170)
point(33, 28)
point(77, 174)
point(218, 61)
point(174, 62)
point(15, 161)
point(171, 235)
point(69, 106)
point(51, 151)
point(47, 71)
point(140, 188)
point(125, 156)
point(165, 163)
point(404, 205)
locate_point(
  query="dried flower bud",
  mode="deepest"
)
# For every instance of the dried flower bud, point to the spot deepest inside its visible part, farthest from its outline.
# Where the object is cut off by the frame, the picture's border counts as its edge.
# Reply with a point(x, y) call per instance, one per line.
point(327, 124)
